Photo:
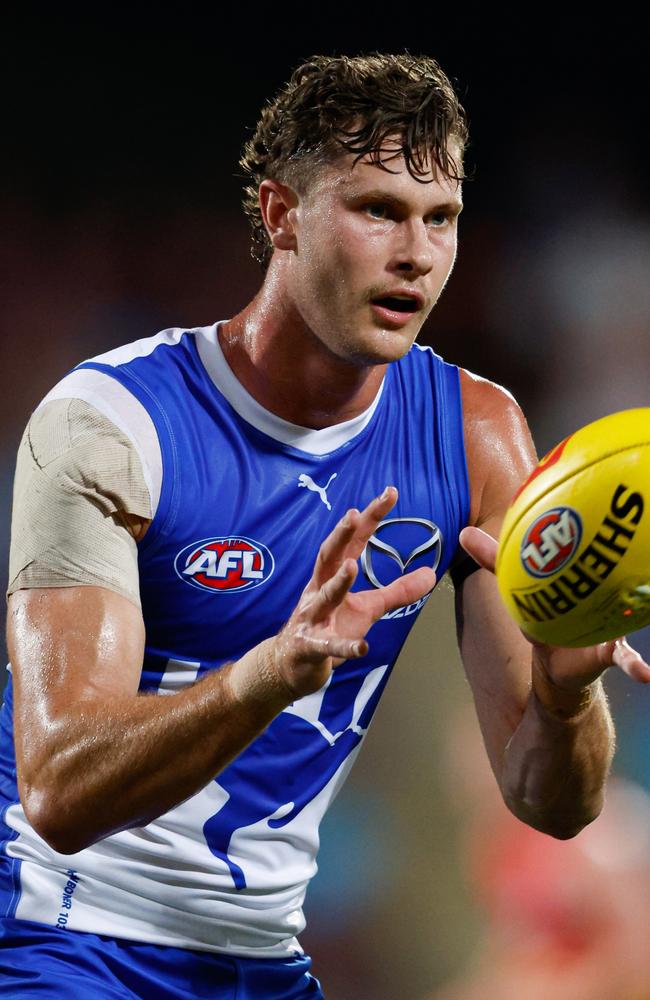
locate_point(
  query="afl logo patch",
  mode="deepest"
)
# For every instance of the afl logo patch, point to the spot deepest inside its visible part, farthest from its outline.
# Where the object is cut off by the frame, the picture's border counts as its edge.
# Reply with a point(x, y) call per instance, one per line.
point(551, 541)
point(225, 565)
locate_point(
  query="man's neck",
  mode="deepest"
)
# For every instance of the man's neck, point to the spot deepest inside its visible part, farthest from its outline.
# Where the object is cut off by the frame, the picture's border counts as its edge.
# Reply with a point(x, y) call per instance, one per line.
point(288, 370)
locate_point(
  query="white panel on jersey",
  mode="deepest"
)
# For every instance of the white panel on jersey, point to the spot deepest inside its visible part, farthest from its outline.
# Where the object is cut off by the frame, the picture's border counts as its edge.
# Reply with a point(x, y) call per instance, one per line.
point(315, 442)
point(140, 348)
point(118, 405)
point(309, 708)
point(168, 887)
point(368, 688)
point(178, 674)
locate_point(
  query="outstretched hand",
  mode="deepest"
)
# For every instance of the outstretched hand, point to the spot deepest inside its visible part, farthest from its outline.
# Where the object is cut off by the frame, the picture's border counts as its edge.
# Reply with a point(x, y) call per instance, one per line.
point(330, 623)
point(570, 669)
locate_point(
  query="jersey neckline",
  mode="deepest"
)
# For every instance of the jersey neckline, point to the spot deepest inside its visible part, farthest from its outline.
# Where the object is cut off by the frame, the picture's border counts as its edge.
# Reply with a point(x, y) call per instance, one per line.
point(306, 439)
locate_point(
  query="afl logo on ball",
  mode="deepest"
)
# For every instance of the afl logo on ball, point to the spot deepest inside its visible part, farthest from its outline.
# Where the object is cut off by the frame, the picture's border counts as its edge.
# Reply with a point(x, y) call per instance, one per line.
point(551, 541)
point(225, 565)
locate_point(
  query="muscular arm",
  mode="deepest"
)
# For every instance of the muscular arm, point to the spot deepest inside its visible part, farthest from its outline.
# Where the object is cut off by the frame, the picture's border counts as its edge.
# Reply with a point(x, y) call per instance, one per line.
point(94, 756)
point(542, 711)
point(550, 749)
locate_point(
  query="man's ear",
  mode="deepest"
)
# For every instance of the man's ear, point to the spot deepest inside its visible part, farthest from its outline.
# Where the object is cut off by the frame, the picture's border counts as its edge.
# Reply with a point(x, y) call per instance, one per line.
point(277, 205)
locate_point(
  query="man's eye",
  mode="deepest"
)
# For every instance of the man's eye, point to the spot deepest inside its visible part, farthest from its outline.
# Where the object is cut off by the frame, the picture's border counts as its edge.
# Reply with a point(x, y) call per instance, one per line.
point(377, 211)
point(438, 219)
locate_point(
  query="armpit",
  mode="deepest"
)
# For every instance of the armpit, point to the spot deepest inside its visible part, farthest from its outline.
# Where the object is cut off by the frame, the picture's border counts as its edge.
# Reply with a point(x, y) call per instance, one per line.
point(78, 492)
point(461, 568)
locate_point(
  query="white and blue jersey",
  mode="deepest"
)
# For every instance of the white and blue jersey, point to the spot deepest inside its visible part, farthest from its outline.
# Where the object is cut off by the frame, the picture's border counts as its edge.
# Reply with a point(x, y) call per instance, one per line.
point(243, 501)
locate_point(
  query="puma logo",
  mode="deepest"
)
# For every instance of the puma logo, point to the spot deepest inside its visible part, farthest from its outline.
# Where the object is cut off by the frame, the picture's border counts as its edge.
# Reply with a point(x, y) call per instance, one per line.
point(308, 483)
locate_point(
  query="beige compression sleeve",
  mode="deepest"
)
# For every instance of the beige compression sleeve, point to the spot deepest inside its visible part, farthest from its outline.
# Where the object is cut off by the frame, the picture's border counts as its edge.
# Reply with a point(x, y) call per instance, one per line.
point(76, 476)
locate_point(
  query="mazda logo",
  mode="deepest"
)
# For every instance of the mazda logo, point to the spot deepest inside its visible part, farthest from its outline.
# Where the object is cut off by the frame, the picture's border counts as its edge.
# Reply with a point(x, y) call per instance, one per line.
point(377, 544)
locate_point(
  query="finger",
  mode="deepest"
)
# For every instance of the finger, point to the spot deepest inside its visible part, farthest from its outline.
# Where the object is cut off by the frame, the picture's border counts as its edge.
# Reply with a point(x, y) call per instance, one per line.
point(332, 593)
point(379, 506)
point(314, 649)
point(405, 590)
point(370, 518)
point(350, 536)
point(333, 549)
point(480, 546)
point(630, 661)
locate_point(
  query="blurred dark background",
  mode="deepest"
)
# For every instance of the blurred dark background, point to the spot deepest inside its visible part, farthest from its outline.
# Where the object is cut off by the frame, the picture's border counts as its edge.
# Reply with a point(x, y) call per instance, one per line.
point(119, 215)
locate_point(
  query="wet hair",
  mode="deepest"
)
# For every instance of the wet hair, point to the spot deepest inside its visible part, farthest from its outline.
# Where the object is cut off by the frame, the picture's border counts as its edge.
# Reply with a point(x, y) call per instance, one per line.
point(363, 105)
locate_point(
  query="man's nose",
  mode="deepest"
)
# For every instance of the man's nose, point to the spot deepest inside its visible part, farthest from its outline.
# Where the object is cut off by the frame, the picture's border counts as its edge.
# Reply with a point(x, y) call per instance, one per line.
point(413, 251)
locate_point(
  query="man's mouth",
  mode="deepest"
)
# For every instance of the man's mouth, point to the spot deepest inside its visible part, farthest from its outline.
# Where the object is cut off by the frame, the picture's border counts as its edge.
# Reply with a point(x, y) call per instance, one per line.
point(398, 303)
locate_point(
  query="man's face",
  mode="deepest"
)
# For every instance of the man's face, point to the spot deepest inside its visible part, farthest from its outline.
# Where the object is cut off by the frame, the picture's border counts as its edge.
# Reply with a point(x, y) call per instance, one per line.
point(374, 251)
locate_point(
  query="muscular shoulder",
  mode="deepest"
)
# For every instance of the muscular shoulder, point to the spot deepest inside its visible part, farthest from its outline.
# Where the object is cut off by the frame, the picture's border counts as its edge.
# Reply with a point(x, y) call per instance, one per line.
point(78, 447)
point(80, 502)
point(498, 445)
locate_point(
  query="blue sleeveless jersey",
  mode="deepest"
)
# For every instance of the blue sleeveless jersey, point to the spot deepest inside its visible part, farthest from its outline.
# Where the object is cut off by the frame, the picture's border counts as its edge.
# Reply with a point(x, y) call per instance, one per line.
point(235, 535)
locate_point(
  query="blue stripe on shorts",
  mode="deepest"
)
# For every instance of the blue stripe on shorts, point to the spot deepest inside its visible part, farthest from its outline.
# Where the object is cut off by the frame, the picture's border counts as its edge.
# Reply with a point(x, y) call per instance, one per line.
point(41, 963)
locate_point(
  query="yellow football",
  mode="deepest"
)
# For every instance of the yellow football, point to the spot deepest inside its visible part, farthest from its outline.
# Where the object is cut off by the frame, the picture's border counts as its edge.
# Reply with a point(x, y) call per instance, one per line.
point(573, 564)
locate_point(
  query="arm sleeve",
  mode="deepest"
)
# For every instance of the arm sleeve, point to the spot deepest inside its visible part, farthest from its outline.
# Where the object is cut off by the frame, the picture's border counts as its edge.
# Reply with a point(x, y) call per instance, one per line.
point(77, 474)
